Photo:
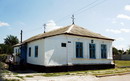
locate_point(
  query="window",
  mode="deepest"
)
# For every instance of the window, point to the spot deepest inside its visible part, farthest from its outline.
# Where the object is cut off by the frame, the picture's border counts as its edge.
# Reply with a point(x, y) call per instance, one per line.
point(103, 51)
point(36, 51)
point(63, 44)
point(29, 51)
point(92, 41)
point(16, 51)
point(79, 50)
point(69, 41)
point(92, 51)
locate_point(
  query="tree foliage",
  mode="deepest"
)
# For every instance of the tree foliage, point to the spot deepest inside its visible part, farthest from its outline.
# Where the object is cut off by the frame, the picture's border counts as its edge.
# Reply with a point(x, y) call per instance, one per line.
point(115, 51)
point(11, 40)
point(128, 51)
point(7, 47)
point(3, 49)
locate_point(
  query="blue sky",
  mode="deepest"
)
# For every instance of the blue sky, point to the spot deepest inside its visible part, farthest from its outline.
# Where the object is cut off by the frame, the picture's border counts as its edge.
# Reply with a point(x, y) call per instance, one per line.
point(110, 18)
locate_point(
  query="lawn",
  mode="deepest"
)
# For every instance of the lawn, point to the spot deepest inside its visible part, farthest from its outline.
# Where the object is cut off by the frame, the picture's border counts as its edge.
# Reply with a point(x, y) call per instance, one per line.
point(117, 70)
point(122, 63)
point(91, 72)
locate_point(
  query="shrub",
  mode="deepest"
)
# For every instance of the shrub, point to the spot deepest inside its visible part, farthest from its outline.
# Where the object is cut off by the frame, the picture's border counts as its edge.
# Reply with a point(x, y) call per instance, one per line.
point(3, 65)
point(3, 57)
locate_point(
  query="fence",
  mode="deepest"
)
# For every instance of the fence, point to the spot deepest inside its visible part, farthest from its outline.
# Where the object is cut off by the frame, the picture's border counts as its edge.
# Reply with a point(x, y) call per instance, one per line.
point(122, 57)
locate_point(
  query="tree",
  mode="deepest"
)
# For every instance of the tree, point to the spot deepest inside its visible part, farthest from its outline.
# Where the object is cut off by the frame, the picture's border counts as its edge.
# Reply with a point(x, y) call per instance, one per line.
point(3, 48)
point(121, 51)
point(114, 51)
point(11, 40)
point(128, 51)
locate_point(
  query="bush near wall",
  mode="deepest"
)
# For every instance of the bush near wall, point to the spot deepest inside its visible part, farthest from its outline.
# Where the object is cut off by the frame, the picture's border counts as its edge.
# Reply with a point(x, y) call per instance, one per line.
point(3, 57)
point(3, 65)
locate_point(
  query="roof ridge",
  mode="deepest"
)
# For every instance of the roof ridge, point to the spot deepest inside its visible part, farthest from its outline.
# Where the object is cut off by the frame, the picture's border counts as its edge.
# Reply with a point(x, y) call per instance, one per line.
point(56, 29)
point(69, 29)
point(72, 30)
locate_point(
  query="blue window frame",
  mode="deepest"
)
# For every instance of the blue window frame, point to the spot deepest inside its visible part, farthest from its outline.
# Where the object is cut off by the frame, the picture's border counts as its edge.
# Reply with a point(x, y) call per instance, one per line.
point(29, 51)
point(92, 50)
point(16, 51)
point(103, 51)
point(79, 50)
point(36, 51)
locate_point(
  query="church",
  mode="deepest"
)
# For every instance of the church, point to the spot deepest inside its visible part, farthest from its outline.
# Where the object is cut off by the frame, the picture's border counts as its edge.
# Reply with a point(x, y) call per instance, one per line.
point(67, 48)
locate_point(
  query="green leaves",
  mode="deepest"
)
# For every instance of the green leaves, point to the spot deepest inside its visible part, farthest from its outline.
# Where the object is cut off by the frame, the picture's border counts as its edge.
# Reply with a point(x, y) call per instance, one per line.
point(11, 40)
point(7, 47)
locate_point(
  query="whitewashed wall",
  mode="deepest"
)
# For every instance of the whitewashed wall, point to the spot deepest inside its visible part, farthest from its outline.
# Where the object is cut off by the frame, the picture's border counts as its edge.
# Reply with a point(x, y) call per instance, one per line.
point(32, 59)
point(54, 53)
point(18, 50)
point(16, 58)
point(57, 55)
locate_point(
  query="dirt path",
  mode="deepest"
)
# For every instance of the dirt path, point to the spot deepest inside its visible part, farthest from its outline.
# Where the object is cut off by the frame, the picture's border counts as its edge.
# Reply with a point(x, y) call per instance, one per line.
point(80, 78)
point(63, 78)
point(115, 78)
point(33, 77)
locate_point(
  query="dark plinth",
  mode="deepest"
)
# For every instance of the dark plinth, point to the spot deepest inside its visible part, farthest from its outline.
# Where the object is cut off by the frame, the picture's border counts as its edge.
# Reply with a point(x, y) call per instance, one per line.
point(66, 68)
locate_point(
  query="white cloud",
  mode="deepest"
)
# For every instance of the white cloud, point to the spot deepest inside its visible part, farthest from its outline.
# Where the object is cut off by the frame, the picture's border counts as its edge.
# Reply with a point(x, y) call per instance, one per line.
point(123, 16)
point(127, 7)
point(120, 39)
point(125, 30)
point(113, 31)
point(118, 31)
point(51, 25)
point(124, 47)
point(122, 23)
point(3, 24)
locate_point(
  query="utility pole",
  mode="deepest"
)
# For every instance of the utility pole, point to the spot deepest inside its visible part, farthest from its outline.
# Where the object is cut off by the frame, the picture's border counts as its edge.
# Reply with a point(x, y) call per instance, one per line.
point(21, 35)
point(72, 19)
point(44, 28)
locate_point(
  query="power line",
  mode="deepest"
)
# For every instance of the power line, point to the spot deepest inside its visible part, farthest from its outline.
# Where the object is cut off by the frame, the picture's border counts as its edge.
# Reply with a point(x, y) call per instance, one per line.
point(82, 9)
point(92, 6)
point(86, 6)
point(77, 12)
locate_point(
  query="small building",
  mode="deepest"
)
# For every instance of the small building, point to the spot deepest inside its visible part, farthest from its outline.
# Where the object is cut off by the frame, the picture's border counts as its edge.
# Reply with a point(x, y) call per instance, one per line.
point(68, 48)
point(17, 52)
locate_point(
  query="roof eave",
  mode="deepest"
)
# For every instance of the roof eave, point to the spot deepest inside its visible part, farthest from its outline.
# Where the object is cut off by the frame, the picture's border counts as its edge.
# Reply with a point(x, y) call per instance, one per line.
point(90, 36)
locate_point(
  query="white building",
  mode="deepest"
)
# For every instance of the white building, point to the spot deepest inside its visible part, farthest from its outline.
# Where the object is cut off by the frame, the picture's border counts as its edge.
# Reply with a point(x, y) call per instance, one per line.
point(72, 46)
point(17, 53)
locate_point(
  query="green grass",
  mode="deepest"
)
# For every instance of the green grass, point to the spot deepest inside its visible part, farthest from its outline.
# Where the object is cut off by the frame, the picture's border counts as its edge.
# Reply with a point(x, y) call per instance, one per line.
point(11, 80)
point(121, 63)
point(56, 74)
point(30, 76)
point(20, 77)
point(91, 72)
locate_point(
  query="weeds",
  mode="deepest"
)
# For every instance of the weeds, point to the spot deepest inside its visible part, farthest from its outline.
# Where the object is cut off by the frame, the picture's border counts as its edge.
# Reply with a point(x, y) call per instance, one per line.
point(20, 77)
point(29, 76)
point(11, 80)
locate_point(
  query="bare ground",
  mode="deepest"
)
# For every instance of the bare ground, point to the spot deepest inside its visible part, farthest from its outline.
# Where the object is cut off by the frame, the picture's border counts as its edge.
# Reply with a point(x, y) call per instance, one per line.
point(28, 77)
